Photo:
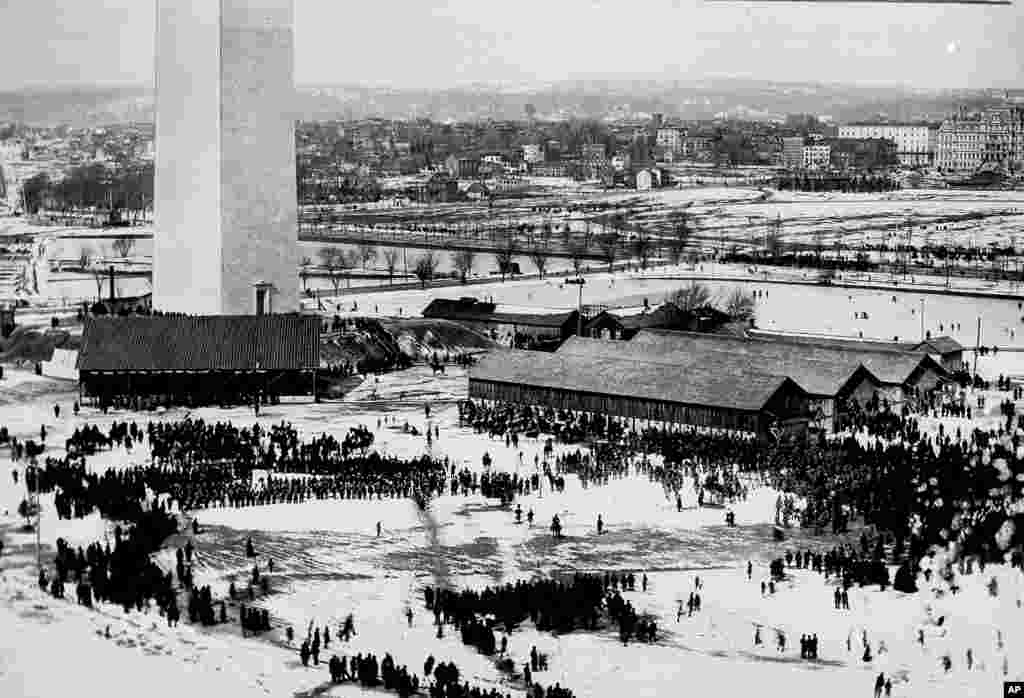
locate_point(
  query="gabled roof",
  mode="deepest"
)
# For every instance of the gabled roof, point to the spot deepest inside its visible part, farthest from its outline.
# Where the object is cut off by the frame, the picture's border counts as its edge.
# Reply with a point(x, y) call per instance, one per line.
point(817, 377)
point(836, 342)
point(186, 343)
point(821, 370)
point(471, 310)
point(940, 345)
point(737, 388)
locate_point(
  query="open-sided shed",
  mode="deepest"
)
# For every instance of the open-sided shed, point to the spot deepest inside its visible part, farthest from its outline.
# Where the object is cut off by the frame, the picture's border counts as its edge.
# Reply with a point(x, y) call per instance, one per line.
point(198, 360)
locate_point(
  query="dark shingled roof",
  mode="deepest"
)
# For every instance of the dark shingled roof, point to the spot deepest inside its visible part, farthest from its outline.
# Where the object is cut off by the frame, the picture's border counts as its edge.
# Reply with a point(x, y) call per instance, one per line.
point(186, 343)
point(939, 345)
point(468, 310)
point(736, 388)
point(813, 374)
point(801, 362)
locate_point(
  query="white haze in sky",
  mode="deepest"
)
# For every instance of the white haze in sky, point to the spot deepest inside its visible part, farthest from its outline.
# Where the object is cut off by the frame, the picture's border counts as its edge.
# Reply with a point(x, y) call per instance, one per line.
point(432, 43)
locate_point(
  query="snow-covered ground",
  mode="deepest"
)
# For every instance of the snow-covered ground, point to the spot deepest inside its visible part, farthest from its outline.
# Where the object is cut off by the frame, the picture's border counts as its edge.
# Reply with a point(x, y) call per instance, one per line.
point(839, 311)
point(329, 562)
point(736, 215)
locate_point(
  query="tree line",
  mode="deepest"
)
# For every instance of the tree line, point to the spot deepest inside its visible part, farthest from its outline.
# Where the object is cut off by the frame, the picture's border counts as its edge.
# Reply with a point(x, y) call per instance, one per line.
point(124, 194)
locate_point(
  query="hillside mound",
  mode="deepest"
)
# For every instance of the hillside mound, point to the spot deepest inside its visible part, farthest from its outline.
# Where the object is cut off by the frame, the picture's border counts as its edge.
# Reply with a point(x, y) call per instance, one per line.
point(420, 338)
point(30, 346)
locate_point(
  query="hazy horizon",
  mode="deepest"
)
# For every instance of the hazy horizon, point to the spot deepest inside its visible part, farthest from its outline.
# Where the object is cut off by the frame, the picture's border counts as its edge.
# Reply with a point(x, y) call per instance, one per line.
point(432, 44)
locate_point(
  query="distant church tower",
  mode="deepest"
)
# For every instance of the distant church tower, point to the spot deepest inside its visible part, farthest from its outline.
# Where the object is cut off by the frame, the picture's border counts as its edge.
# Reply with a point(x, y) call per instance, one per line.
point(225, 240)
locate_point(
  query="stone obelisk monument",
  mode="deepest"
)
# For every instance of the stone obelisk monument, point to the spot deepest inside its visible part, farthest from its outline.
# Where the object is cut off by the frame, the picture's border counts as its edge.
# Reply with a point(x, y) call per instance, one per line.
point(225, 240)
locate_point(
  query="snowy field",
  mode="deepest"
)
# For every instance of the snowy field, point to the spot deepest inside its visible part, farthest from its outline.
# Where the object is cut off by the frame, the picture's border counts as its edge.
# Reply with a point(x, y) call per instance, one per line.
point(730, 215)
point(329, 563)
point(814, 309)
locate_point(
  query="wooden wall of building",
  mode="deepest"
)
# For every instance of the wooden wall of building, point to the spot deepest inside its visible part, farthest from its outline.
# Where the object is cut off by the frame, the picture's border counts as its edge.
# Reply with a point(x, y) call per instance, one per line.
point(626, 407)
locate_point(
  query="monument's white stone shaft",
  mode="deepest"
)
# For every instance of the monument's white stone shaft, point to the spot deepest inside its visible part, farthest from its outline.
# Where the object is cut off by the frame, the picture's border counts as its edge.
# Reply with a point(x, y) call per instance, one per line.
point(225, 197)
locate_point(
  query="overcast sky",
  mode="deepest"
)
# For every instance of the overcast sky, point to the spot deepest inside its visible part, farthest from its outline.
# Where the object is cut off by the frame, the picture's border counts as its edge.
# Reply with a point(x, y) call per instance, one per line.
point(437, 43)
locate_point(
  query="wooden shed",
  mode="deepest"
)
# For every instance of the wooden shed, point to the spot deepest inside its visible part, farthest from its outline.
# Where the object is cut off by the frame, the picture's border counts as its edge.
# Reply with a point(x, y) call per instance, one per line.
point(198, 360)
point(647, 392)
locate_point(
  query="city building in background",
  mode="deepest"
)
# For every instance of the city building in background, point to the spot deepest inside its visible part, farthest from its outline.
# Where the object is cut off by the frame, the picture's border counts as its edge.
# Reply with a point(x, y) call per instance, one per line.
point(915, 143)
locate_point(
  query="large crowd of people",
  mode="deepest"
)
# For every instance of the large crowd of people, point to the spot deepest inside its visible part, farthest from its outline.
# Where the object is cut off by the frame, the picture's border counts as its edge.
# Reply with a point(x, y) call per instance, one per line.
point(917, 488)
point(923, 489)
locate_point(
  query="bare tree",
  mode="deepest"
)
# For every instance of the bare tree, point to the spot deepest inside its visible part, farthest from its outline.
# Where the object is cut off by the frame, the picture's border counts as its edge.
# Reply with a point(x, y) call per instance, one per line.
point(99, 275)
point(85, 258)
point(740, 305)
point(504, 256)
point(774, 245)
point(577, 249)
point(692, 296)
point(335, 262)
point(681, 232)
point(540, 251)
point(366, 254)
point(539, 257)
point(123, 245)
point(426, 267)
point(608, 241)
point(304, 266)
point(566, 233)
point(463, 261)
point(642, 246)
point(390, 262)
point(819, 245)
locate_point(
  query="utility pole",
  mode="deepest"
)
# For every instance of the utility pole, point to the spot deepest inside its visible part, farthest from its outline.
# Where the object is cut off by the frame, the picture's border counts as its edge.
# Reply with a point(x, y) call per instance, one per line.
point(977, 348)
point(579, 311)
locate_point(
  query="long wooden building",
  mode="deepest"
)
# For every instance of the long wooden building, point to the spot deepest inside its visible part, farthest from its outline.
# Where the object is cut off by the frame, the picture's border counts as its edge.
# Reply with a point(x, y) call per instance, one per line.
point(180, 359)
point(827, 381)
point(820, 369)
point(734, 397)
point(533, 328)
point(944, 350)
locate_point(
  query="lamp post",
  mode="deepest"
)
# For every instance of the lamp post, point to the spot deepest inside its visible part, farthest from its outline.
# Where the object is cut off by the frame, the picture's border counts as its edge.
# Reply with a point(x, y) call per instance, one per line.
point(922, 319)
point(579, 311)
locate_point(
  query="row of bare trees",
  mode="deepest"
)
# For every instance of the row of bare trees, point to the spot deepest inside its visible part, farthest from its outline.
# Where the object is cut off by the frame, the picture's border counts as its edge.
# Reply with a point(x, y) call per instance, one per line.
point(91, 261)
point(738, 304)
point(336, 263)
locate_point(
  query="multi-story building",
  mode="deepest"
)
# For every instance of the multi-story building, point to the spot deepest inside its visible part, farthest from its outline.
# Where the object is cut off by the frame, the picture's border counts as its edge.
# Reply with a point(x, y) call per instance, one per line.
point(670, 139)
point(817, 156)
point(914, 142)
point(462, 167)
point(648, 179)
point(793, 152)
point(621, 162)
point(696, 145)
point(592, 151)
point(533, 153)
point(863, 153)
point(550, 169)
point(994, 136)
point(961, 143)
